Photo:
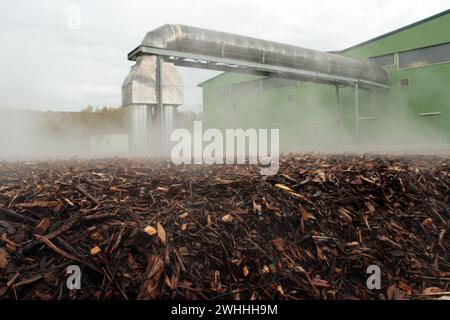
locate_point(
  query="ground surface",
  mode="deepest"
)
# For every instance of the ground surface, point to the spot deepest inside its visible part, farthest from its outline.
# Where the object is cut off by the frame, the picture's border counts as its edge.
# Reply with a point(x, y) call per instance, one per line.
point(147, 230)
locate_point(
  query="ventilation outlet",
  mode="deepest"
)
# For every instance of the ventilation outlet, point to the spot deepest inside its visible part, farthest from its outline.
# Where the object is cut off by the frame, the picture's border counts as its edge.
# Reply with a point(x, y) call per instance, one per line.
point(404, 83)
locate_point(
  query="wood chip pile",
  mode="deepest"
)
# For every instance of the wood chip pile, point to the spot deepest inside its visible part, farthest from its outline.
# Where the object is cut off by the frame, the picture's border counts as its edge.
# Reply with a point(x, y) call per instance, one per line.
point(151, 230)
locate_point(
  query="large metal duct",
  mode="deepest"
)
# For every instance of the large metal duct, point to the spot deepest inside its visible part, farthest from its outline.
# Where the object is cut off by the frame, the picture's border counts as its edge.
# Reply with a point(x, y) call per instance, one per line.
point(140, 86)
point(226, 45)
point(154, 88)
point(149, 127)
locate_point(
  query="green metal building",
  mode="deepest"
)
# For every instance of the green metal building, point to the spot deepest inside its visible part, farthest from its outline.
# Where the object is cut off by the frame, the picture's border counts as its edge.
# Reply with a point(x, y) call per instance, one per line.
point(413, 111)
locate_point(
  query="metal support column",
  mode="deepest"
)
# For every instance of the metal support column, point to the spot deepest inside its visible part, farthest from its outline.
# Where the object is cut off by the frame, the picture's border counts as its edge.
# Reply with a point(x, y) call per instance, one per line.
point(160, 104)
point(338, 108)
point(356, 112)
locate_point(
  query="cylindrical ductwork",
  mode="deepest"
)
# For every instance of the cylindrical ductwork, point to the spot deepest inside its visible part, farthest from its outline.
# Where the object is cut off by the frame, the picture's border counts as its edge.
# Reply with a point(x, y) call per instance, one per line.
point(140, 86)
point(168, 120)
point(140, 124)
point(140, 91)
point(149, 128)
point(226, 45)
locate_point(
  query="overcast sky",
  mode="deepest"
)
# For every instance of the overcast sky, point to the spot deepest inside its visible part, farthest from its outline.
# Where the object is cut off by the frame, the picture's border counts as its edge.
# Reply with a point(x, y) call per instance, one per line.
point(52, 60)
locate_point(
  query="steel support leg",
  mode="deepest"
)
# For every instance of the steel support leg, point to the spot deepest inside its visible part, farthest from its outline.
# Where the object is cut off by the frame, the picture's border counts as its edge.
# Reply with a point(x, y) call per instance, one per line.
point(160, 105)
point(338, 108)
point(356, 112)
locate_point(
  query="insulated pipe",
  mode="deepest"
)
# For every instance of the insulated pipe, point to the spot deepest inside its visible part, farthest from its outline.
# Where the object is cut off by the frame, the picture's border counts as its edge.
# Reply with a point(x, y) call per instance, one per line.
point(151, 87)
point(141, 128)
point(154, 84)
point(226, 45)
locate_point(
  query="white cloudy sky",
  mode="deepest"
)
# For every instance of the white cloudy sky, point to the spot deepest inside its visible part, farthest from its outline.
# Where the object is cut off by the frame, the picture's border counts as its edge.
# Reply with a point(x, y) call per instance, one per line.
point(45, 64)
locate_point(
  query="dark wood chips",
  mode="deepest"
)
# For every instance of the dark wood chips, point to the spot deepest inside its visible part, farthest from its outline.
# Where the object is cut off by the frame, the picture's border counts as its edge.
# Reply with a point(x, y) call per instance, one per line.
point(152, 230)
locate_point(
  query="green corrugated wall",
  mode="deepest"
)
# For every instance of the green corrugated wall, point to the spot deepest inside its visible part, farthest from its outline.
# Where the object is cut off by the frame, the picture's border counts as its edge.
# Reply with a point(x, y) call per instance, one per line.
point(306, 113)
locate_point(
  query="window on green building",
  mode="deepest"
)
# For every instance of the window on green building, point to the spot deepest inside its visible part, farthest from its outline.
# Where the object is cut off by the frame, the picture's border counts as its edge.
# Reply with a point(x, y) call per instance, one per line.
point(424, 56)
point(404, 83)
point(383, 61)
